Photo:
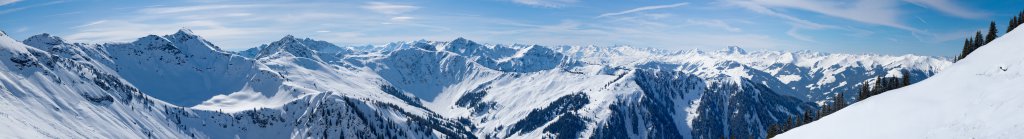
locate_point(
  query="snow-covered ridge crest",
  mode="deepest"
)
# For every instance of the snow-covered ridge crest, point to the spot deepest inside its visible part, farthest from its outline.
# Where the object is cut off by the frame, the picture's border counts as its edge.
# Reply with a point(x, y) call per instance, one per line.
point(801, 71)
point(89, 91)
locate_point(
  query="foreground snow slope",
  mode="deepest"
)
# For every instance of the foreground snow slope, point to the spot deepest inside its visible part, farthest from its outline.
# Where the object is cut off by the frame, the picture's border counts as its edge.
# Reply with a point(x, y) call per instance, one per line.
point(981, 96)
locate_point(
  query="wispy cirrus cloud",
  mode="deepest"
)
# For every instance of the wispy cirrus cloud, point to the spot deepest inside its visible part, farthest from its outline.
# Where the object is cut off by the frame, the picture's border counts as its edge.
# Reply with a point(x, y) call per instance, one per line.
point(645, 8)
point(5, 2)
point(877, 12)
point(11, 10)
point(792, 32)
point(715, 23)
point(182, 9)
point(761, 9)
point(389, 8)
point(546, 3)
point(401, 18)
point(950, 7)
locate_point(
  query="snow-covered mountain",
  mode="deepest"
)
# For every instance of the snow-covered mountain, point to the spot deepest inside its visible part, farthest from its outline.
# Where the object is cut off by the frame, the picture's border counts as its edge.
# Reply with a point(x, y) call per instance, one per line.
point(978, 97)
point(181, 85)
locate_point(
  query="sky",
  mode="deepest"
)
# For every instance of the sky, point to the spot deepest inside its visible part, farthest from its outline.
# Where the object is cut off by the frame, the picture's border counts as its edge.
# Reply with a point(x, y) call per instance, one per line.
point(892, 27)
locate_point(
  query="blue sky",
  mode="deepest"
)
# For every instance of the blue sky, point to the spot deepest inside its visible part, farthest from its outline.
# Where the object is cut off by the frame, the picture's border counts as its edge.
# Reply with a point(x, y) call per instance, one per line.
point(924, 27)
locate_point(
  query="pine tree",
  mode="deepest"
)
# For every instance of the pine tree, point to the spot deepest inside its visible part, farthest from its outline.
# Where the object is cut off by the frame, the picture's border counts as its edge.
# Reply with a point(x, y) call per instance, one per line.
point(966, 50)
point(864, 90)
point(1020, 19)
point(1013, 24)
point(878, 88)
point(906, 78)
point(840, 102)
point(970, 49)
point(979, 41)
point(992, 33)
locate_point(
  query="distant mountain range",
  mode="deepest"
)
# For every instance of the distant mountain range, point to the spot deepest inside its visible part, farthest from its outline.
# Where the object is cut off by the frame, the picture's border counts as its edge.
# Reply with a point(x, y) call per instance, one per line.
point(183, 86)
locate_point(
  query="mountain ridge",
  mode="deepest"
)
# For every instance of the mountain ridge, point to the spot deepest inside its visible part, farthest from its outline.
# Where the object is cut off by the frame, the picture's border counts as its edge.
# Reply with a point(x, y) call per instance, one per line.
point(463, 89)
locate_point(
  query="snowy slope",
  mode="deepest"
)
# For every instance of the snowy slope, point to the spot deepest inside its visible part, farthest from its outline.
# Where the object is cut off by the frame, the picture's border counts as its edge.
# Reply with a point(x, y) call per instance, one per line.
point(978, 97)
point(64, 93)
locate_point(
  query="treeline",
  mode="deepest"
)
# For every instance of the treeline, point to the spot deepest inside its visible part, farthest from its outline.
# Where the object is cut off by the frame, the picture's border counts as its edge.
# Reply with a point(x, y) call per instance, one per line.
point(883, 84)
point(973, 43)
point(838, 102)
point(867, 89)
point(1016, 21)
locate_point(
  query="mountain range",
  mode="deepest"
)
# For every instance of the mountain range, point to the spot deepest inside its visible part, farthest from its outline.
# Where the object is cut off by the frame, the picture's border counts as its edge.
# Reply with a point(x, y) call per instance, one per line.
point(183, 86)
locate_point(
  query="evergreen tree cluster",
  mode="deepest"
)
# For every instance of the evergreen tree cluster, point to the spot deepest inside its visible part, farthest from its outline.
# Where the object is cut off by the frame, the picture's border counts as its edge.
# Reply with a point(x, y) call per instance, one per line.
point(882, 84)
point(978, 40)
point(868, 89)
point(1016, 21)
point(838, 102)
point(973, 43)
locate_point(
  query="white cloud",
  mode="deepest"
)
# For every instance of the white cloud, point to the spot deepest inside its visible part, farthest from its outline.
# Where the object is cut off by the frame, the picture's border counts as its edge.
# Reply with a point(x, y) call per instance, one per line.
point(546, 3)
point(182, 9)
point(126, 31)
point(90, 24)
point(244, 26)
point(388, 8)
point(715, 24)
point(401, 18)
point(857, 32)
point(792, 33)
point(237, 27)
point(950, 8)
point(940, 37)
point(11, 10)
point(645, 8)
point(21, 29)
point(5, 2)
point(877, 12)
point(765, 10)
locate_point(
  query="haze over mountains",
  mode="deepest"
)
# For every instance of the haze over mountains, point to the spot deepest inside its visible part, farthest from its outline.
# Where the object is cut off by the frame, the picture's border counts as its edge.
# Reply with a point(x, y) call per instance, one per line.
point(182, 86)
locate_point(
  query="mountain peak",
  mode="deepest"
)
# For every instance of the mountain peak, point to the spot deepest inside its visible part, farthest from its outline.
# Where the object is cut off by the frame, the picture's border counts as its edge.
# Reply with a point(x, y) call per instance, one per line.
point(287, 44)
point(189, 41)
point(185, 31)
point(733, 50)
point(463, 46)
point(42, 41)
point(460, 39)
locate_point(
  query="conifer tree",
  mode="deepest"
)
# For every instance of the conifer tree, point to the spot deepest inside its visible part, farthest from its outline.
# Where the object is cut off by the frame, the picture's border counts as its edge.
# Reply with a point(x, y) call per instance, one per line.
point(992, 33)
point(906, 78)
point(979, 40)
point(840, 102)
point(965, 50)
point(1013, 24)
point(1020, 19)
point(864, 90)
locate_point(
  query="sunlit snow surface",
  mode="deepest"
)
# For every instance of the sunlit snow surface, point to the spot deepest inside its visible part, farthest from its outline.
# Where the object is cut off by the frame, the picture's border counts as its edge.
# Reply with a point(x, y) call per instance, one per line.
point(981, 96)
